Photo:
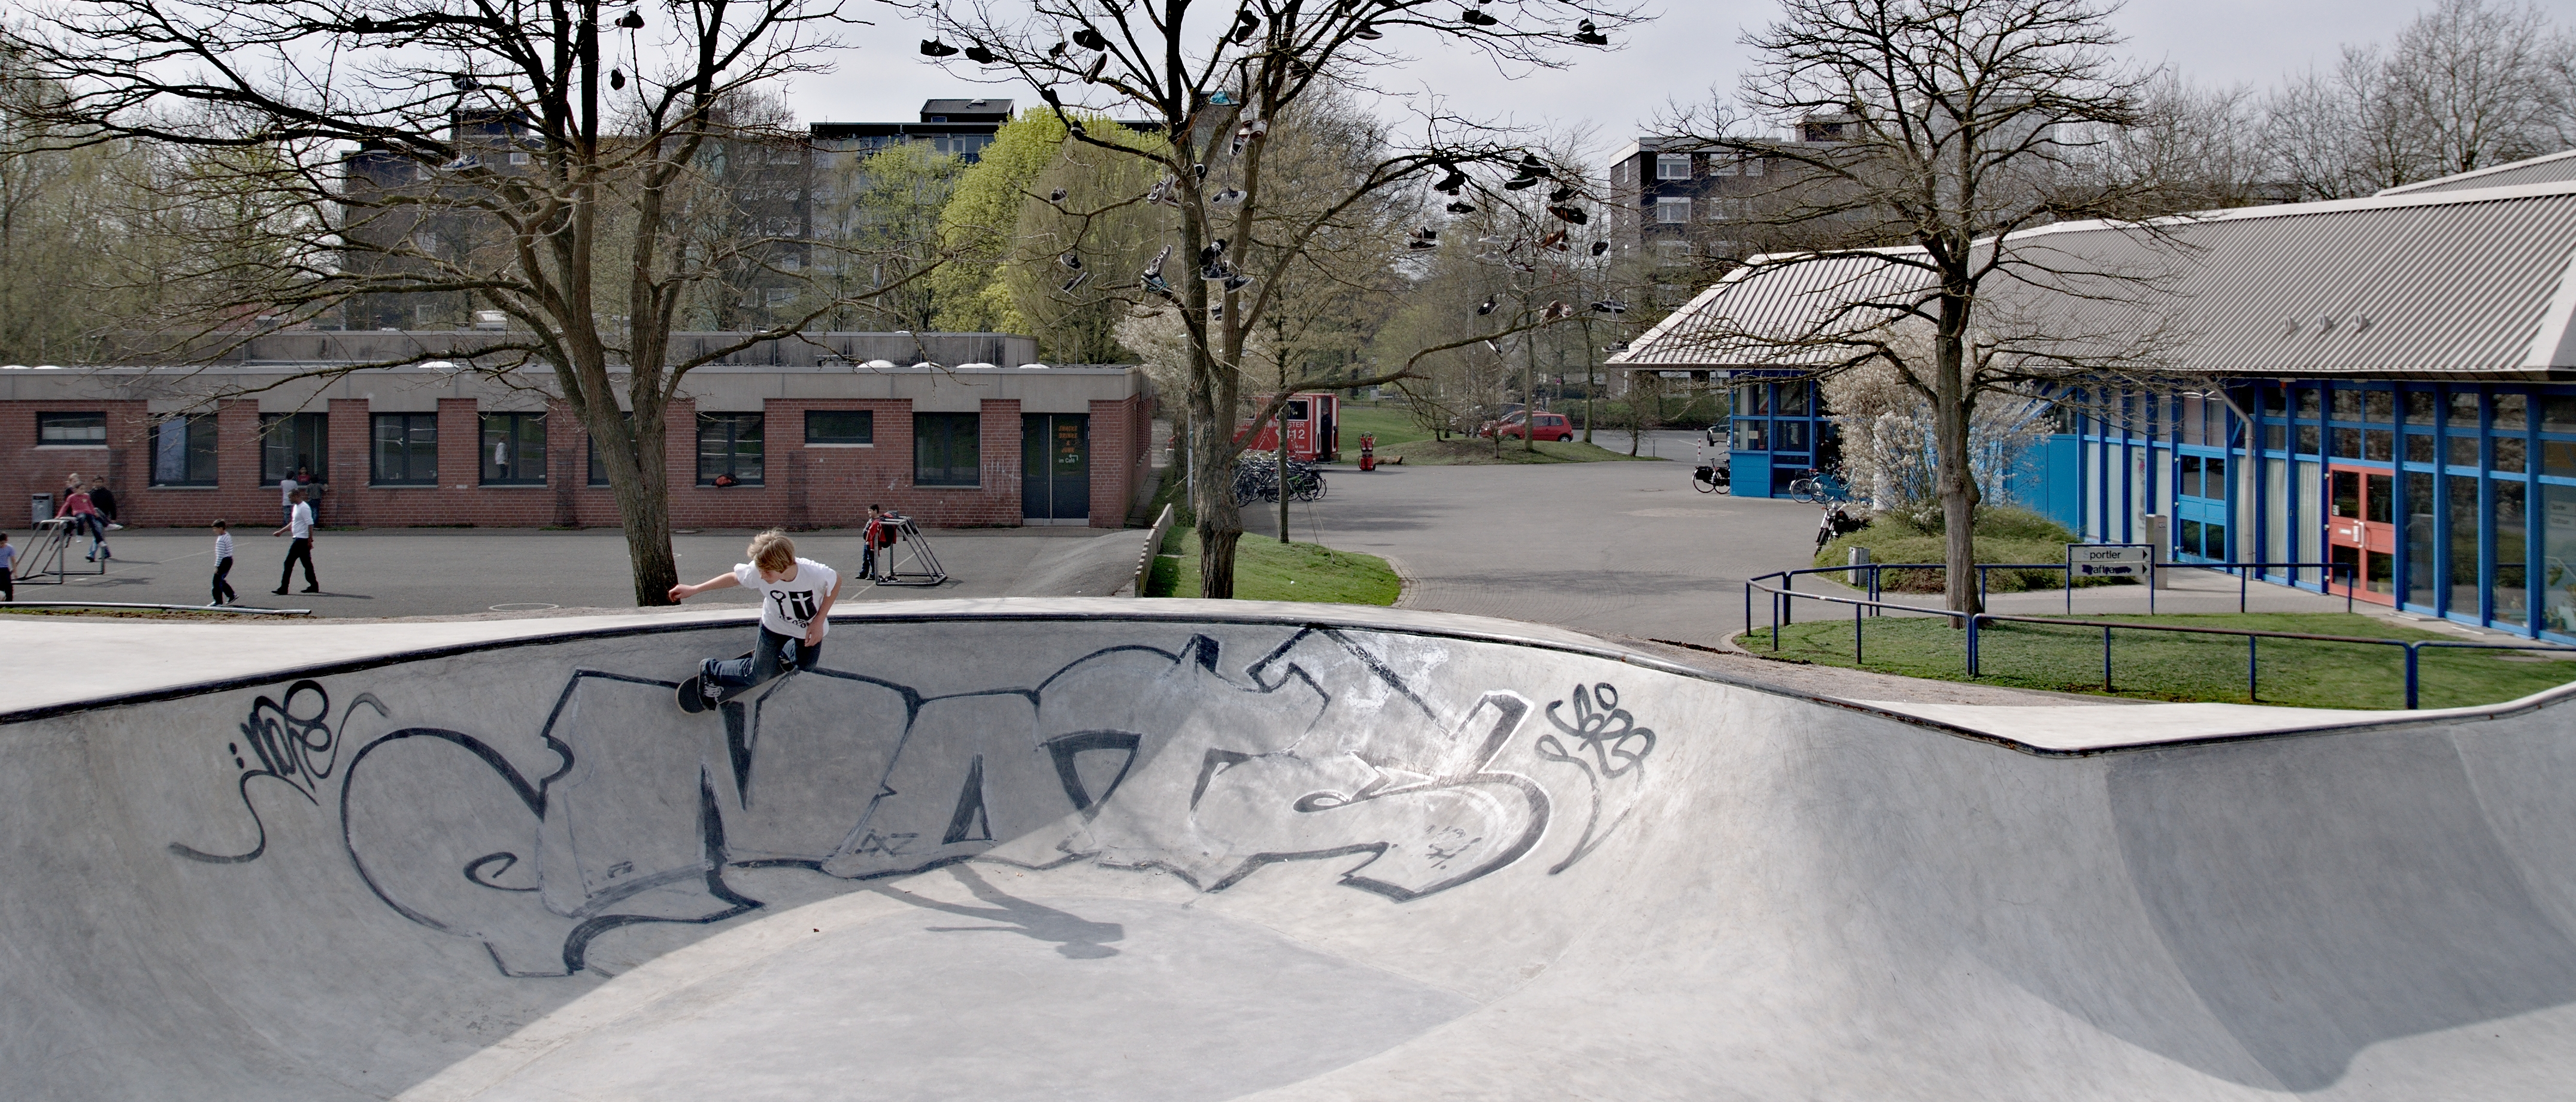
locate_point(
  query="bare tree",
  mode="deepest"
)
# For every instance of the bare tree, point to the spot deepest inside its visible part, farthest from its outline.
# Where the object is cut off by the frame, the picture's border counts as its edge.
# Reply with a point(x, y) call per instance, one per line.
point(1953, 124)
point(1218, 79)
point(558, 162)
point(2467, 85)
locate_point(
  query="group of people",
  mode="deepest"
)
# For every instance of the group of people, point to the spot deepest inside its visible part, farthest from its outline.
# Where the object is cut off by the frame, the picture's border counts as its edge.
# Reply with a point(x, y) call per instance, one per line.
point(89, 506)
point(296, 501)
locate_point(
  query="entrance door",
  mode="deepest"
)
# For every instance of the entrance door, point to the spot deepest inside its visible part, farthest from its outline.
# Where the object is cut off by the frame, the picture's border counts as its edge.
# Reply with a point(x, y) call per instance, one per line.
point(1055, 468)
point(2361, 533)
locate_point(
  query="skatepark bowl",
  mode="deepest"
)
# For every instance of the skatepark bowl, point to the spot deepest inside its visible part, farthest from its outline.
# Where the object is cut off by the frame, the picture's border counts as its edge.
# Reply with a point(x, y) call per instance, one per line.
point(1065, 849)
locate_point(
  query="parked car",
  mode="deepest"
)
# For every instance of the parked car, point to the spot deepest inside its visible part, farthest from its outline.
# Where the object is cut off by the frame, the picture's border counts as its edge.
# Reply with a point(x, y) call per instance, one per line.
point(1544, 426)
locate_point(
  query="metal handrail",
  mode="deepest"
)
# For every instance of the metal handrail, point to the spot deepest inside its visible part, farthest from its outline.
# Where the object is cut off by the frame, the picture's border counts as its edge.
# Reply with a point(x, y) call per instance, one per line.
point(1784, 598)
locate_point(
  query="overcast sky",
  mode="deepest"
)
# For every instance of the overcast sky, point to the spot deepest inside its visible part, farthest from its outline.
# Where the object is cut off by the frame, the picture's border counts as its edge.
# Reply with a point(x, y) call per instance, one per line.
point(1681, 54)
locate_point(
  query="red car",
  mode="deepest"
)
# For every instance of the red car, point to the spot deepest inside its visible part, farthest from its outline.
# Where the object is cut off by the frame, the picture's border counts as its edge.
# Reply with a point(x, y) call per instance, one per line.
point(1547, 426)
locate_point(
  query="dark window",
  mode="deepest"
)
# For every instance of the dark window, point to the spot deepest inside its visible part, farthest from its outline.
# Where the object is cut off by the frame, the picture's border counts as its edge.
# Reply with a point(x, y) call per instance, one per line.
point(2347, 443)
point(71, 429)
point(945, 449)
point(2464, 451)
point(2419, 448)
point(2508, 454)
point(183, 451)
point(405, 451)
point(729, 446)
point(2509, 412)
point(2558, 413)
point(2308, 439)
point(514, 449)
point(2376, 444)
point(840, 426)
point(2419, 407)
point(2378, 405)
point(292, 441)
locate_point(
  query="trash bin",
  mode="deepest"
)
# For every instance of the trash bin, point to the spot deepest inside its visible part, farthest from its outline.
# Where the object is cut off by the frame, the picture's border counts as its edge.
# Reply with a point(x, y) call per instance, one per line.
point(40, 508)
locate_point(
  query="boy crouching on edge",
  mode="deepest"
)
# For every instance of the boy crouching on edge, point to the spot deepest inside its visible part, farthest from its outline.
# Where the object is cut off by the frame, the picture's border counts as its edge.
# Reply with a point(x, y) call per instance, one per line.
point(794, 616)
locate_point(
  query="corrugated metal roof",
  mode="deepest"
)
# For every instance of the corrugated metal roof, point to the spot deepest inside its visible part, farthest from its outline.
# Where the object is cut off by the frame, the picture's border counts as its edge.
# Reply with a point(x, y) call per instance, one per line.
point(2556, 168)
point(2433, 282)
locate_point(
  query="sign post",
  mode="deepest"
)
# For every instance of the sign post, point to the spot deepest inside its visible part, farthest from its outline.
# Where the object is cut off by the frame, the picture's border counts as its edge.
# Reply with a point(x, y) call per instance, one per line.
point(2110, 560)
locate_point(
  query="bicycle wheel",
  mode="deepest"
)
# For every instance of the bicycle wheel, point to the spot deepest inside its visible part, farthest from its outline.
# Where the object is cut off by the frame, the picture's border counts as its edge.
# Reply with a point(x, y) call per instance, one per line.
point(1703, 481)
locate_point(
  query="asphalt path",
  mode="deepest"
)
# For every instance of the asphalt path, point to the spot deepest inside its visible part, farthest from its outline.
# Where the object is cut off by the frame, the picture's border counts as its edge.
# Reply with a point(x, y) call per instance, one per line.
point(1624, 549)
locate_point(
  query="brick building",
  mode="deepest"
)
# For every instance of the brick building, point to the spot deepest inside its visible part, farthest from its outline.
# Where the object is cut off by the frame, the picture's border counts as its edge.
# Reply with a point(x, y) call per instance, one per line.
point(783, 434)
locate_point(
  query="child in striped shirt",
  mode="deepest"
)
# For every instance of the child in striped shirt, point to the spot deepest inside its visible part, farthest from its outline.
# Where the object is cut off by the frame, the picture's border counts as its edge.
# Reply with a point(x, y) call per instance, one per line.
point(224, 565)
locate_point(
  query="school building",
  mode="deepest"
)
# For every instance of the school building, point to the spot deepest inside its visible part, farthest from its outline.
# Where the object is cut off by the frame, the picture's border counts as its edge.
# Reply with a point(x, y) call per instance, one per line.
point(2387, 384)
point(798, 434)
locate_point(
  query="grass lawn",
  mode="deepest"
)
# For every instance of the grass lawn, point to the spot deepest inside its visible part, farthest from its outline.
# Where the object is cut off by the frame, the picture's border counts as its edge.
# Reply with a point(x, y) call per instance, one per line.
point(1268, 570)
point(1457, 452)
point(1398, 436)
point(2173, 666)
point(2004, 534)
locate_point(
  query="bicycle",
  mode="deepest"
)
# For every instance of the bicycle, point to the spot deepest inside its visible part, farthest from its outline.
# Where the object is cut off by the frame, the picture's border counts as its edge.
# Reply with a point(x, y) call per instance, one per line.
point(1817, 487)
point(1710, 479)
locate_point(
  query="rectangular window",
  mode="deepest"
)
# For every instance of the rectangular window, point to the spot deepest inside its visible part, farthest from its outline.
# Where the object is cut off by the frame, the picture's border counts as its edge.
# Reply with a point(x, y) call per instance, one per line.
point(2557, 558)
point(1671, 211)
point(1721, 164)
point(405, 449)
point(1793, 400)
point(2307, 439)
point(2464, 451)
point(518, 156)
point(183, 451)
point(2375, 444)
point(1672, 166)
point(2347, 443)
point(514, 449)
point(2509, 412)
point(2511, 592)
point(2463, 548)
point(2558, 413)
point(291, 442)
point(840, 426)
point(2419, 448)
point(2419, 407)
point(1753, 166)
point(71, 430)
point(781, 296)
point(946, 450)
point(1789, 436)
point(729, 448)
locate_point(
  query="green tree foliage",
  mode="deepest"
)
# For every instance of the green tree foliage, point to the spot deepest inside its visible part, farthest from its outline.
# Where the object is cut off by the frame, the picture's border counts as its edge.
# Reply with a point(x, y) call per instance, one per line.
point(979, 225)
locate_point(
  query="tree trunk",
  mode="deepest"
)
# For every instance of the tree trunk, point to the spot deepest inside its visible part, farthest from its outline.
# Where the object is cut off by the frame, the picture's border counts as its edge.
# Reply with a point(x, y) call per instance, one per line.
point(1216, 558)
point(1953, 404)
point(1282, 460)
point(1529, 393)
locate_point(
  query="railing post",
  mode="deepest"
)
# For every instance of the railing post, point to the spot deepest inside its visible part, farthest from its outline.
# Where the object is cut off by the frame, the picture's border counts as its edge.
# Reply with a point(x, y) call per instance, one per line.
point(2151, 592)
point(1775, 620)
point(2070, 589)
point(1748, 607)
point(1972, 643)
point(1788, 603)
point(2250, 640)
point(2240, 591)
point(2411, 653)
point(1856, 609)
point(2106, 653)
point(1981, 588)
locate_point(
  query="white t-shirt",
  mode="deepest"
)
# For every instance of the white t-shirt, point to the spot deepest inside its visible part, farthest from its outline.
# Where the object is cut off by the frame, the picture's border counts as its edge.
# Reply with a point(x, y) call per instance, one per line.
point(224, 546)
point(788, 607)
point(300, 525)
point(286, 488)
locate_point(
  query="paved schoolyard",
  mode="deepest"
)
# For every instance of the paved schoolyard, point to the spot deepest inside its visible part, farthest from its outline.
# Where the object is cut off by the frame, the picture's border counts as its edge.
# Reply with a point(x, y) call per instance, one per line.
point(457, 571)
point(1623, 549)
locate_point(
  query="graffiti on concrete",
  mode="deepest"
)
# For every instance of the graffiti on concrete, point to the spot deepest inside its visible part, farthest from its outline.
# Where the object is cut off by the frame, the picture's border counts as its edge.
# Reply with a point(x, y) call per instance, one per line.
point(290, 743)
point(1605, 742)
point(625, 811)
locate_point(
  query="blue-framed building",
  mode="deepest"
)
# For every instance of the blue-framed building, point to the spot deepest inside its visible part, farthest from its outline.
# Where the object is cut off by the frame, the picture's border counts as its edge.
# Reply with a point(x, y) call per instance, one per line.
point(2385, 383)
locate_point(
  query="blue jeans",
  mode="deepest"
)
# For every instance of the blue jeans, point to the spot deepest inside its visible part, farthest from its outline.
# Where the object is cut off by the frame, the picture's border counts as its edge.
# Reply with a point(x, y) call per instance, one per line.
point(775, 655)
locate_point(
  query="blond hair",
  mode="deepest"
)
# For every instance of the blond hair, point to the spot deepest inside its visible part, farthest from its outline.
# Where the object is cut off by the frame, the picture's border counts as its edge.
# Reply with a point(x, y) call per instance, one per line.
point(772, 550)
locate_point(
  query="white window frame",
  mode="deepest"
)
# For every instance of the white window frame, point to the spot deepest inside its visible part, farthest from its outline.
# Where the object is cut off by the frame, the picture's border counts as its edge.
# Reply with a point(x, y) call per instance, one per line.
point(1667, 206)
point(1666, 162)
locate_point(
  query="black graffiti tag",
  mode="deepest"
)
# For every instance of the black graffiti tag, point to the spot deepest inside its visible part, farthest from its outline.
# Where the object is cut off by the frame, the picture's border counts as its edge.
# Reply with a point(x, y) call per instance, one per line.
point(1606, 743)
point(292, 743)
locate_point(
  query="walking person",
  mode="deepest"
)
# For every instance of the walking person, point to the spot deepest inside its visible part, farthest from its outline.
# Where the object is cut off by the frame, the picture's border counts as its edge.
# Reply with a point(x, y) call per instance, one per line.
point(794, 616)
point(299, 524)
point(223, 590)
point(875, 535)
point(8, 562)
point(104, 500)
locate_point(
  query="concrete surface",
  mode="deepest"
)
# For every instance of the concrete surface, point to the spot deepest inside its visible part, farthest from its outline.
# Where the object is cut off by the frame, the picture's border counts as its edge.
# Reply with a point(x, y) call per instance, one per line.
point(381, 572)
point(1608, 548)
point(1019, 849)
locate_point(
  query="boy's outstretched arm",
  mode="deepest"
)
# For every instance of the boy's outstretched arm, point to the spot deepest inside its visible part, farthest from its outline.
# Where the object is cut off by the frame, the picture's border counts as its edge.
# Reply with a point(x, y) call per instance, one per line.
point(814, 631)
point(681, 593)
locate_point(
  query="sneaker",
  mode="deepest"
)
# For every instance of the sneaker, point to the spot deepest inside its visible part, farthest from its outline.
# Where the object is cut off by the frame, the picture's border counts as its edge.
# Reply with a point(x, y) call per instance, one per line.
point(280, 591)
point(312, 589)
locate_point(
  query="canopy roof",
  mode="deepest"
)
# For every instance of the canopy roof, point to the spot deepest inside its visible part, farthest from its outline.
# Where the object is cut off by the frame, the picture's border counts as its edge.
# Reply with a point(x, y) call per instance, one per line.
point(2471, 281)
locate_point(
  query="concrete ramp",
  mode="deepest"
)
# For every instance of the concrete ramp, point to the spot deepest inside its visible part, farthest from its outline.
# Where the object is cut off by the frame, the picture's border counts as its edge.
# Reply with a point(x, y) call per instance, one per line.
point(1193, 851)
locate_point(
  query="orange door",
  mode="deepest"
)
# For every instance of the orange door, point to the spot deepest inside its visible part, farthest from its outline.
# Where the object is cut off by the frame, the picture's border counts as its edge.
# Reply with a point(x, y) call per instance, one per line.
point(2361, 536)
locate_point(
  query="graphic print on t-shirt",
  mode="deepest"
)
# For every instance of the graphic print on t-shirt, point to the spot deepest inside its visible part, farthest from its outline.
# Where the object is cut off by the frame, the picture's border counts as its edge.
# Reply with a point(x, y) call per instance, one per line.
point(789, 607)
